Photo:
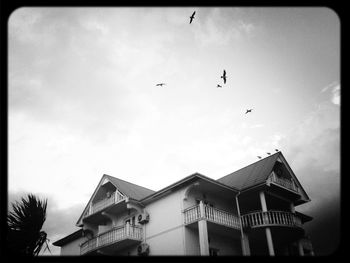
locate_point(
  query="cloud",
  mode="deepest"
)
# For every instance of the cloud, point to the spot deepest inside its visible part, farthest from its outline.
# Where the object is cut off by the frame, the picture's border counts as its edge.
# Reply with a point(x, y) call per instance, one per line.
point(334, 87)
point(313, 151)
point(213, 29)
point(332, 84)
point(336, 95)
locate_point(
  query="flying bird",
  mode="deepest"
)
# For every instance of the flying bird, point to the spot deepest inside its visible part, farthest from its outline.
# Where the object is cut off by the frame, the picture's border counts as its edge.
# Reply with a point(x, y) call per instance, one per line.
point(269, 153)
point(276, 150)
point(160, 84)
point(224, 76)
point(250, 110)
point(259, 157)
point(192, 17)
point(218, 86)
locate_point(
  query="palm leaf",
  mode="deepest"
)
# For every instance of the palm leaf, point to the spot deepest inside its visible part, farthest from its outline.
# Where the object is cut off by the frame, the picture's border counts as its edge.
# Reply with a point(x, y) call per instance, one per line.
point(24, 226)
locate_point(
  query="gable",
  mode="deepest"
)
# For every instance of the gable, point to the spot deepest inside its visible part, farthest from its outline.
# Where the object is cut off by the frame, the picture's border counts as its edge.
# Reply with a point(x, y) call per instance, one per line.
point(283, 170)
point(259, 172)
point(251, 175)
point(109, 185)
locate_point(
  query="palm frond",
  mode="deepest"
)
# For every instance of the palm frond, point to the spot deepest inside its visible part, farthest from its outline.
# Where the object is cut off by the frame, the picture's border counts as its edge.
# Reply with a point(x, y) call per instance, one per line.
point(24, 225)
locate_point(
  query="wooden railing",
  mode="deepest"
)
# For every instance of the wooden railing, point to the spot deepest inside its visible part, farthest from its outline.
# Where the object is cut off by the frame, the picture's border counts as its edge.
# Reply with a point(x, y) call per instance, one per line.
point(100, 205)
point(115, 235)
point(289, 184)
point(270, 218)
point(212, 214)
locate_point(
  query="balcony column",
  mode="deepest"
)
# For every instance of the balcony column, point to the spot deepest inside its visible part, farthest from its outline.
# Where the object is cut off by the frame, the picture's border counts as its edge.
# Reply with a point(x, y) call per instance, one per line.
point(245, 244)
point(244, 236)
point(203, 231)
point(267, 229)
point(300, 247)
point(90, 209)
point(127, 229)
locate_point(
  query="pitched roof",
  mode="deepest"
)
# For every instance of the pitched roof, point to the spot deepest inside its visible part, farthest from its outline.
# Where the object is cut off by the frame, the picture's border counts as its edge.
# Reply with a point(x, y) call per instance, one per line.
point(187, 179)
point(252, 174)
point(67, 239)
point(131, 190)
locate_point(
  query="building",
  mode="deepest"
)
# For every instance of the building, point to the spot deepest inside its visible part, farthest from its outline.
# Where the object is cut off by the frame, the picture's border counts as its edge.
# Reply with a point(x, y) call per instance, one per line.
point(248, 212)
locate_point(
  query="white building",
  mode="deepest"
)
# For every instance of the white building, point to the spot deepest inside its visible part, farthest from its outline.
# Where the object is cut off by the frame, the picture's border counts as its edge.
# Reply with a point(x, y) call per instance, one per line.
point(249, 212)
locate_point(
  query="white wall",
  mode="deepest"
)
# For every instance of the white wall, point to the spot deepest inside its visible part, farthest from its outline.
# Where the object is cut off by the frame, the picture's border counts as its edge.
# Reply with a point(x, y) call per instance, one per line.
point(164, 231)
point(192, 242)
point(72, 248)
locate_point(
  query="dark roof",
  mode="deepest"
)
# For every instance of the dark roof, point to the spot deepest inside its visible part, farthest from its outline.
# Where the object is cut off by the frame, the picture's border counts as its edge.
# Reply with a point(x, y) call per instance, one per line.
point(304, 218)
point(131, 190)
point(67, 239)
point(252, 174)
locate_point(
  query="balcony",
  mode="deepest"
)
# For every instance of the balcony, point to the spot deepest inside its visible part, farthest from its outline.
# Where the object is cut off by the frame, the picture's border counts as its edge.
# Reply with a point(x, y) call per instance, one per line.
point(214, 215)
point(120, 236)
point(270, 218)
point(100, 205)
point(286, 183)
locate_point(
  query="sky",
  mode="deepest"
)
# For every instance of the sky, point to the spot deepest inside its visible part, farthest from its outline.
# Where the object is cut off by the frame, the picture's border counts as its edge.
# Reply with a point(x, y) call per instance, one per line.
point(83, 100)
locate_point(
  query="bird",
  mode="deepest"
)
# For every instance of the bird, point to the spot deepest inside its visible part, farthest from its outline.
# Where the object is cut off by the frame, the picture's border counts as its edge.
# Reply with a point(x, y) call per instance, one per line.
point(259, 157)
point(269, 153)
point(276, 150)
point(218, 86)
point(192, 17)
point(224, 76)
point(250, 110)
point(160, 84)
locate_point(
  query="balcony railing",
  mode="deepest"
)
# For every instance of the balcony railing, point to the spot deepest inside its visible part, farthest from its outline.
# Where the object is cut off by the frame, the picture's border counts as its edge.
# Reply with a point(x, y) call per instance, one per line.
point(100, 205)
point(191, 214)
point(286, 183)
point(212, 214)
point(270, 218)
point(113, 236)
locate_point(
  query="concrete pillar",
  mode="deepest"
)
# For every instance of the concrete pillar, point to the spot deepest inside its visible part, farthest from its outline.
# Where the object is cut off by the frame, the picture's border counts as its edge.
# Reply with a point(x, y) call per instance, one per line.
point(269, 241)
point(203, 232)
point(127, 227)
point(245, 245)
point(263, 201)
point(244, 236)
point(267, 229)
point(300, 248)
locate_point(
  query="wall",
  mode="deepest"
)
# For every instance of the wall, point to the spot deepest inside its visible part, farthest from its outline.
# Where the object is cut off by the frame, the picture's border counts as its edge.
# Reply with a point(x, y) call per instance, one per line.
point(72, 248)
point(165, 230)
point(192, 242)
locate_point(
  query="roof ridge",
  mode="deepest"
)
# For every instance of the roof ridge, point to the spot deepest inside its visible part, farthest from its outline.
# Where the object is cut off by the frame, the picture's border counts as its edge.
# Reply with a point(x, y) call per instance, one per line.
point(129, 182)
point(249, 165)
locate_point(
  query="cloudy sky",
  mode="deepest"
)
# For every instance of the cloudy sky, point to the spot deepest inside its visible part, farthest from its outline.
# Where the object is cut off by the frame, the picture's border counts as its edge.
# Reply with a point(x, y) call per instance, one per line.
point(83, 100)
